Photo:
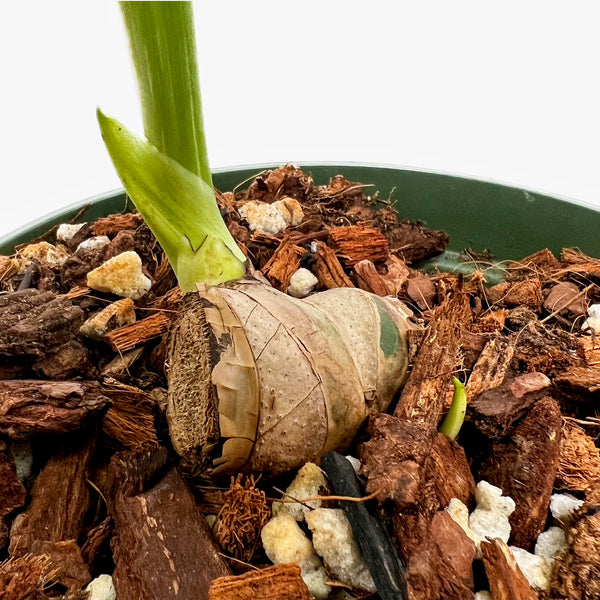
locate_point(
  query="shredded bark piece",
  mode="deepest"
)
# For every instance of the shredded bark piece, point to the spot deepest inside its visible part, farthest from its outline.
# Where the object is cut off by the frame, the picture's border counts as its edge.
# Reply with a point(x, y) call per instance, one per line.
point(578, 465)
point(130, 419)
point(112, 224)
point(242, 517)
point(412, 241)
point(273, 583)
point(423, 397)
point(576, 573)
point(507, 582)
point(358, 242)
point(284, 262)
point(25, 577)
point(128, 337)
point(328, 269)
point(421, 290)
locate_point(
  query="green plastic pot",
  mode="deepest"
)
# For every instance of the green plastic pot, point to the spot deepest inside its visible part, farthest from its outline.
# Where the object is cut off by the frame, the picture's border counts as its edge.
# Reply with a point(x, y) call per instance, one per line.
point(507, 221)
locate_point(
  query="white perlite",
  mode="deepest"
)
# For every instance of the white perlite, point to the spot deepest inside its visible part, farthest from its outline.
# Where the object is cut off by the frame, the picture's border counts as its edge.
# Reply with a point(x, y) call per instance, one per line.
point(460, 514)
point(121, 275)
point(284, 542)
point(101, 588)
point(490, 517)
point(306, 484)
point(271, 219)
point(66, 231)
point(302, 283)
point(593, 321)
point(562, 506)
point(537, 569)
point(334, 542)
point(550, 542)
point(47, 254)
point(98, 241)
point(483, 595)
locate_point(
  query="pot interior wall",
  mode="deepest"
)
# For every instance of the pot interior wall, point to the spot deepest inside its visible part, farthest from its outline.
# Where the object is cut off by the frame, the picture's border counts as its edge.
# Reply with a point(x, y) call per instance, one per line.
point(509, 222)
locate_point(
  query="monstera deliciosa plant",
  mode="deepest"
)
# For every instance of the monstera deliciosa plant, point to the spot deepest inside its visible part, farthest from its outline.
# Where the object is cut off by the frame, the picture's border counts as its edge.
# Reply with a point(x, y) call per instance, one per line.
point(257, 379)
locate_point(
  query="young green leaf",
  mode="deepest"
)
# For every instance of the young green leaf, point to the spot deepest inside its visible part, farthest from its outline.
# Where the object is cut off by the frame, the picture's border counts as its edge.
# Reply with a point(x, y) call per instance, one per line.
point(178, 206)
point(163, 49)
point(456, 415)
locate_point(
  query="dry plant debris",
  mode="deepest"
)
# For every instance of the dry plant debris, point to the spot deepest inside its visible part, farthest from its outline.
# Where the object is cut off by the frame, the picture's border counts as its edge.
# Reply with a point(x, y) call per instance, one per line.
point(578, 465)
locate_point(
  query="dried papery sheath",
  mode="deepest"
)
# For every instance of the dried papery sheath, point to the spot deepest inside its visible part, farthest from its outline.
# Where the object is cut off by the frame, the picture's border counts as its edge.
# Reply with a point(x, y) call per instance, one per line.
point(292, 378)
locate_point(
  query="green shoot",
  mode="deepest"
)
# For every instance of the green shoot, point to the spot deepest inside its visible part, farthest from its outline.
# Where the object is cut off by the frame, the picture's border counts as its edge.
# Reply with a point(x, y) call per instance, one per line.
point(456, 415)
point(168, 176)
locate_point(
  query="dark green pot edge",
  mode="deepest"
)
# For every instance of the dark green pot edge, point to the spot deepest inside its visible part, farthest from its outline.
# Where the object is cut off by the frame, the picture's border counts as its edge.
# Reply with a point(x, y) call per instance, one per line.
point(510, 222)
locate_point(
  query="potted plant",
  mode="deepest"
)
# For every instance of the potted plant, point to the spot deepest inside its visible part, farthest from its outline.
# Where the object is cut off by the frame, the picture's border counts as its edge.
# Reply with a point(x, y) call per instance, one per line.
point(216, 407)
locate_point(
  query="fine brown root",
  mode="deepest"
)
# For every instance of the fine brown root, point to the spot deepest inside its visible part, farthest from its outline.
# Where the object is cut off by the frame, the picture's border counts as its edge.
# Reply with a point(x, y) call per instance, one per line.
point(242, 517)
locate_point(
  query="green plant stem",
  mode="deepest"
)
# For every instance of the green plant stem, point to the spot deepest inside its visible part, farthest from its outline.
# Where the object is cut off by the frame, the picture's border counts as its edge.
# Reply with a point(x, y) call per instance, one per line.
point(456, 415)
point(163, 48)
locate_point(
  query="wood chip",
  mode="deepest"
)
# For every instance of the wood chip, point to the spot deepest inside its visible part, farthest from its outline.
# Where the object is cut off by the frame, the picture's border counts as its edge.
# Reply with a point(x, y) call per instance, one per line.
point(128, 337)
point(521, 293)
point(523, 466)
point(491, 367)
point(280, 582)
point(496, 411)
point(507, 582)
point(565, 297)
point(59, 501)
point(412, 241)
point(358, 242)
point(30, 407)
point(180, 558)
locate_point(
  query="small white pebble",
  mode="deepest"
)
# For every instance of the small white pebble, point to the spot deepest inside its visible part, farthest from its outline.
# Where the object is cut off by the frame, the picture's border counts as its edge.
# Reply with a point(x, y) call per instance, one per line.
point(550, 543)
point(101, 588)
point(306, 484)
point(121, 275)
point(334, 542)
point(562, 506)
point(483, 595)
point(302, 283)
point(284, 542)
point(66, 231)
point(537, 569)
point(93, 243)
